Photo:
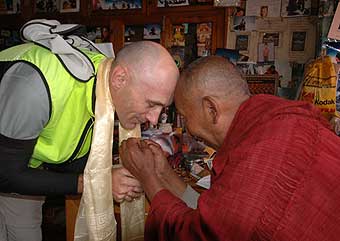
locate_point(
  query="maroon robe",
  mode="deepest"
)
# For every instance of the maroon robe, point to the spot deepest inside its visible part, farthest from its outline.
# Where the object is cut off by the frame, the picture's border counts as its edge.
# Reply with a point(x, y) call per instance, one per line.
point(276, 177)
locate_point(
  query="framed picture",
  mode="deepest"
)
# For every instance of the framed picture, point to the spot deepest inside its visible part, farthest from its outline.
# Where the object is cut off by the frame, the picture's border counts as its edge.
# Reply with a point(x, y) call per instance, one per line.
point(226, 3)
point(172, 3)
point(152, 32)
point(326, 8)
point(69, 6)
point(178, 54)
point(266, 53)
point(334, 31)
point(203, 34)
point(244, 23)
point(116, 4)
point(241, 42)
point(47, 6)
point(263, 8)
point(298, 41)
point(271, 37)
point(9, 6)
point(133, 33)
point(178, 35)
point(295, 8)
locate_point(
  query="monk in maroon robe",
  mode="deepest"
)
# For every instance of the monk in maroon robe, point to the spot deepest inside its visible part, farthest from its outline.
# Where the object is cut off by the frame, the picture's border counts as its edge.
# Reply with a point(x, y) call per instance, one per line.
point(276, 175)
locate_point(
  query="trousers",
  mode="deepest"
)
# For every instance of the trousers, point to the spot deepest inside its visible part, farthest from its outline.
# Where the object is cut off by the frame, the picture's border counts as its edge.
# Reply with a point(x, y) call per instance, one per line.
point(20, 217)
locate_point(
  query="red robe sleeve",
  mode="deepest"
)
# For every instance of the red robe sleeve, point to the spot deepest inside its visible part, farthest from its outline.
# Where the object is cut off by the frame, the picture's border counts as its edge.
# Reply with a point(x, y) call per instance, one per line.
point(267, 187)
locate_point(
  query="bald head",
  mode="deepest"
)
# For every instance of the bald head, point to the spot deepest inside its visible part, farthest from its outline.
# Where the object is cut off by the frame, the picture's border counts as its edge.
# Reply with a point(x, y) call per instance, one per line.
point(208, 94)
point(142, 81)
point(212, 76)
point(146, 57)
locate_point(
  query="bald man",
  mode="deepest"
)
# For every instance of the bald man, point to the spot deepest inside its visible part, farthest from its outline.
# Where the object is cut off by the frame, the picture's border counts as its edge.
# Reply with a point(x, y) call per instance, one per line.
point(276, 175)
point(46, 125)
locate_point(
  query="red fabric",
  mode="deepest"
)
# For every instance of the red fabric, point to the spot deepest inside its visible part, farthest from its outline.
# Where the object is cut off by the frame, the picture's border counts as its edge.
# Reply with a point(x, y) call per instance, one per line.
point(276, 177)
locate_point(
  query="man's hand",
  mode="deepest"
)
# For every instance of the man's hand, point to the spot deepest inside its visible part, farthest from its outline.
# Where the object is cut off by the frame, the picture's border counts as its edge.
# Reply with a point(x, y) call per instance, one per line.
point(137, 157)
point(124, 185)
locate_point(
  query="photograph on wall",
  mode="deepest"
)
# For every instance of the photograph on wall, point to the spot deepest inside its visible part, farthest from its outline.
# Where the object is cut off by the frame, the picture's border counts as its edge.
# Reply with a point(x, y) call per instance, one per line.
point(298, 41)
point(133, 33)
point(67, 6)
point(47, 6)
point(178, 54)
point(271, 37)
point(227, 3)
point(232, 55)
point(116, 4)
point(203, 34)
point(266, 53)
point(241, 43)
point(9, 6)
point(334, 31)
point(98, 34)
point(295, 8)
point(152, 32)
point(244, 23)
point(172, 3)
point(263, 8)
point(327, 8)
point(178, 35)
point(239, 10)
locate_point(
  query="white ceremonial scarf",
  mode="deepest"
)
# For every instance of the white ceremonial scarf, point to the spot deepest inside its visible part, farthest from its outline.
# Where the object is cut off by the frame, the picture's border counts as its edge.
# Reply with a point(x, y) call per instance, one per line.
point(95, 219)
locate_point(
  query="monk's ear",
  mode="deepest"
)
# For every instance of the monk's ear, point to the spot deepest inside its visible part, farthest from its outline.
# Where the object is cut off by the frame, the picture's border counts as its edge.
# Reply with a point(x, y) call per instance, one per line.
point(118, 77)
point(210, 108)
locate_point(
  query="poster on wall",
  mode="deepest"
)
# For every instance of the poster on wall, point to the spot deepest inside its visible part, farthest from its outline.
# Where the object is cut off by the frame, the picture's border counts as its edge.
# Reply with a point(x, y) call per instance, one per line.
point(241, 42)
point(98, 34)
point(263, 8)
point(334, 31)
point(298, 41)
point(227, 3)
point(47, 6)
point(271, 37)
point(116, 4)
point(133, 33)
point(239, 10)
point(9, 6)
point(295, 8)
point(152, 32)
point(178, 35)
point(68, 6)
point(172, 3)
point(266, 53)
point(244, 23)
point(327, 8)
point(178, 54)
point(203, 34)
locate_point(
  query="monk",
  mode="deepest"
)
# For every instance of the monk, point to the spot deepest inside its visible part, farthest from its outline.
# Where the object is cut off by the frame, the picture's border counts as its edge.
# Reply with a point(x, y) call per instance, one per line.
point(276, 174)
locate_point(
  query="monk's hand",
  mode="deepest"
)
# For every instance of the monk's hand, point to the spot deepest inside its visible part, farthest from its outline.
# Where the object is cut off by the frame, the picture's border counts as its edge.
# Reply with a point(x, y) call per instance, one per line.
point(124, 185)
point(162, 166)
point(137, 157)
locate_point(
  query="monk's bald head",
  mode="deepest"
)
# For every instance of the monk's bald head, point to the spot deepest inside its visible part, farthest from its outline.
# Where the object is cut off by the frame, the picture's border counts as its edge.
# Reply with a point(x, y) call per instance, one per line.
point(211, 76)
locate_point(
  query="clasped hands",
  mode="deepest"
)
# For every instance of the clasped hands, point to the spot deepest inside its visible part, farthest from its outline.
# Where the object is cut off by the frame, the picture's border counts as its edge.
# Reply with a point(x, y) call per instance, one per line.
point(143, 162)
point(146, 161)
